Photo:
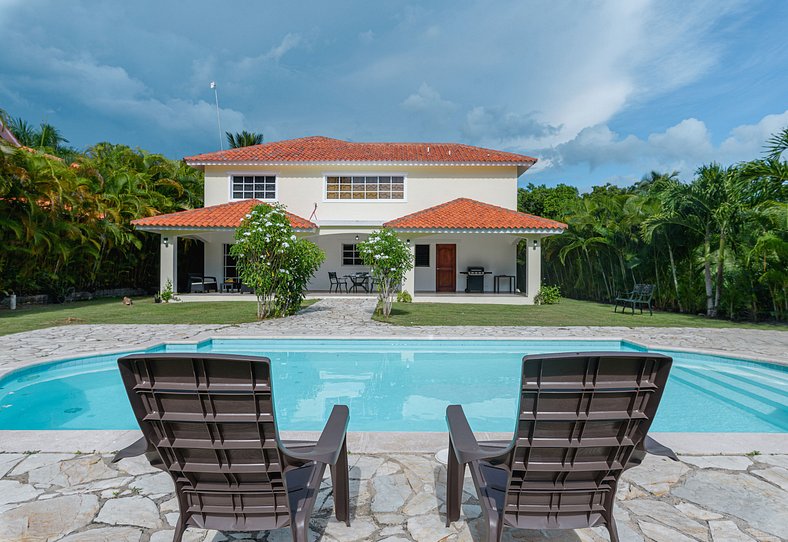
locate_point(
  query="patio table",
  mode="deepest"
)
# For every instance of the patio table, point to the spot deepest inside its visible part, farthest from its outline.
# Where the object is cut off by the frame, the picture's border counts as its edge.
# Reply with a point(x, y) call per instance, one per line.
point(359, 279)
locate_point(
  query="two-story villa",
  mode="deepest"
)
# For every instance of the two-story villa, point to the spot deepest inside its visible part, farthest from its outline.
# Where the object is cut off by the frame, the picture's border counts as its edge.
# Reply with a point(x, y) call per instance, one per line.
point(455, 205)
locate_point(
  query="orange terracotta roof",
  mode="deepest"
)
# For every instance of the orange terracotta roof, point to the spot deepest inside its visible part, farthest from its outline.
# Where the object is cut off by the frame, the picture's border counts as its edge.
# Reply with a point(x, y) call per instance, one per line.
point(225, 215)
point(468, 214)
point(325, 149)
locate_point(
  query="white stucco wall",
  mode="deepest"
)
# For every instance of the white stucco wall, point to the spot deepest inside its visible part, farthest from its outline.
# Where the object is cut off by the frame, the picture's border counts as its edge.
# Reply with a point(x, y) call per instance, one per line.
point(300, 188)
point(497, 253)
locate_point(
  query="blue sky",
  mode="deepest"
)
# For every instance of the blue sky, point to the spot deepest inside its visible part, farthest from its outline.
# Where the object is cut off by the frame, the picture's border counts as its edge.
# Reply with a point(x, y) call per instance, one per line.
point(598, 91)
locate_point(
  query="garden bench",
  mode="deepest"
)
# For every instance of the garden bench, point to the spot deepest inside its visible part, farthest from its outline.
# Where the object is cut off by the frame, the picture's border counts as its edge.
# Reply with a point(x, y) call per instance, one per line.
point(640, 295)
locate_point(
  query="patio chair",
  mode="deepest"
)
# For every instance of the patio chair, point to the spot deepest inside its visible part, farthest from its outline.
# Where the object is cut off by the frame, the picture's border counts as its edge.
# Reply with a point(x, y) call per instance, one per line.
point(209, 421)
point(199, 283)
point(641, 294)
point(336, 283)
point(582, 421)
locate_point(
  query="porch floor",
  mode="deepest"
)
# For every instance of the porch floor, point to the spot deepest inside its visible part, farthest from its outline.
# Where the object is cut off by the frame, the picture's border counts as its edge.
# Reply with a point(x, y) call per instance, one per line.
point(420, 297)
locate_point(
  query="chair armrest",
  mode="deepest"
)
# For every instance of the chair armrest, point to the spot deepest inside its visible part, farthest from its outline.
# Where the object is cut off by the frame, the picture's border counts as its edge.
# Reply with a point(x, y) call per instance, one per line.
point(329, 446)
point(465, 445)
point(137, 448)
point(212, 278)
point(655, 448)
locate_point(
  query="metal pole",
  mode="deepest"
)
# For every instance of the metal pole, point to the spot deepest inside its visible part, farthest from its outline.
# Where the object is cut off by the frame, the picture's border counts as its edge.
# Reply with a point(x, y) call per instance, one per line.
point(218, 117)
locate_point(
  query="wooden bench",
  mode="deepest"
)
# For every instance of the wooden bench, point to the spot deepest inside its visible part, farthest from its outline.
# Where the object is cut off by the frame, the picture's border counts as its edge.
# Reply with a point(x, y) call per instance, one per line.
point(640, 295)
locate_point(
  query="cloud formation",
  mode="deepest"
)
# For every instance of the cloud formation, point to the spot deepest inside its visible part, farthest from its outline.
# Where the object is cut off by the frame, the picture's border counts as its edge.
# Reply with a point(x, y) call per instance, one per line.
point(585, 86)
point(681, 147)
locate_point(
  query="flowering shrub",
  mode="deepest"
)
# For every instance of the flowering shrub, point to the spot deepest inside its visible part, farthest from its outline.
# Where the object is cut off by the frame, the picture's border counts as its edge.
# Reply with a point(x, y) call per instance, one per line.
point(273, 262)
point(390, 258)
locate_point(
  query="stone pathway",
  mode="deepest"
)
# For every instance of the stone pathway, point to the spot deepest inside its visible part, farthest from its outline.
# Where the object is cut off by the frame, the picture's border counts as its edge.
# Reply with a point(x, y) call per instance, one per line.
point(394, 497)
point(334, 317)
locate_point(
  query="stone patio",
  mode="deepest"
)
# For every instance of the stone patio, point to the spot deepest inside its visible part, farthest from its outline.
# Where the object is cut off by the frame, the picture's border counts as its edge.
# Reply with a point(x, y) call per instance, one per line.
point(78, 497)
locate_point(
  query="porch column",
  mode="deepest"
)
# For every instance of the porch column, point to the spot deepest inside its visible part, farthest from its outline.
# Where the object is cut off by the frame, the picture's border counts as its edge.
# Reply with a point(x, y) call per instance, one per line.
point(533, 267)
point(169, 261)
point(409, 282)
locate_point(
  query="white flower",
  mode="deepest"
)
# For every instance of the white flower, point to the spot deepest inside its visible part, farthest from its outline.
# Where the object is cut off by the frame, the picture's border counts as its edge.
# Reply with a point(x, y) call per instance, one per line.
point(285, 244)
point(293, 237)
point(247, 234)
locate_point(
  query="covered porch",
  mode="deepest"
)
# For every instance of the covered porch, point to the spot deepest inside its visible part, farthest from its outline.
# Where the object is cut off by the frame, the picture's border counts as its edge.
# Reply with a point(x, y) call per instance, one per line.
point(463, 251)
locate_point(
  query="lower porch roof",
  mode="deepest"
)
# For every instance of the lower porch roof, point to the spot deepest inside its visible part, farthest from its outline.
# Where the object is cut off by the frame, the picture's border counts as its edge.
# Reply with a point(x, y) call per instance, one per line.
point(461, 215)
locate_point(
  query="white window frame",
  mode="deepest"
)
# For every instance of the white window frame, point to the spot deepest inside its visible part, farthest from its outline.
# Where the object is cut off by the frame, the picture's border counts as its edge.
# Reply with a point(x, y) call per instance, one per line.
point(327, 174)
point(231, 174)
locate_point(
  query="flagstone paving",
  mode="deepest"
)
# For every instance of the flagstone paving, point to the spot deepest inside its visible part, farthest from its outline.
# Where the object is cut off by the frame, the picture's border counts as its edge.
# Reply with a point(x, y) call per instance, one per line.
point(336, 317)
point(394, 497)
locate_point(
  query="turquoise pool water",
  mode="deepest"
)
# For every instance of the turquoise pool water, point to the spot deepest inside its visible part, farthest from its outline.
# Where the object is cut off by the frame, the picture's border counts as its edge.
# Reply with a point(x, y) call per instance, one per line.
point(401, 386)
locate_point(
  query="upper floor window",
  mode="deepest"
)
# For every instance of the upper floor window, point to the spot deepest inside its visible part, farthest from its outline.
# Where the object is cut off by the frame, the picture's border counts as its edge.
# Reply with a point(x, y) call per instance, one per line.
point(365, 187)
point(254, 186)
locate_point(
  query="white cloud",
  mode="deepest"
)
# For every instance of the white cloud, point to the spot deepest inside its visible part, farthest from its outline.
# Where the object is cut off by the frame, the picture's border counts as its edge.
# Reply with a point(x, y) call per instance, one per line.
point(682, 147)
point(274, 54)
point(427, 99)
point(747, 140)
point(497, 125)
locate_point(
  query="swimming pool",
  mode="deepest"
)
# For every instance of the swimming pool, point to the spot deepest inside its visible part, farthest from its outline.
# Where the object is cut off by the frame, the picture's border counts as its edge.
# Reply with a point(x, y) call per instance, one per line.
point(401, 385)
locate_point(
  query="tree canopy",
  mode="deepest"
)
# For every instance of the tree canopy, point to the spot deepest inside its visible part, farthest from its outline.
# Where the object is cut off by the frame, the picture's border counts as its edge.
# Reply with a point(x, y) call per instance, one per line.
point(65, 223)
point(716, 243)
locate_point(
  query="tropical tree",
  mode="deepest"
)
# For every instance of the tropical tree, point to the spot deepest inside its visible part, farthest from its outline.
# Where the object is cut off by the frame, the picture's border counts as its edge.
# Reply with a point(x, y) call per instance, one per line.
point(390, 258)
point(243, 139)
point(273, 262)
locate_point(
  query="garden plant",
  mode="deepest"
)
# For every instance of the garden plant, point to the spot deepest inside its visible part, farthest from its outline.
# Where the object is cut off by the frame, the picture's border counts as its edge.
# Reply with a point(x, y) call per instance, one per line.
point(390, 258)
point(273, 262)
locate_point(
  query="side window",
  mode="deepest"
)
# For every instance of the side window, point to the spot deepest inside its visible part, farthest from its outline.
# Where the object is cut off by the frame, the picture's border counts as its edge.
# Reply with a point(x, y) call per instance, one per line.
point(422, 255)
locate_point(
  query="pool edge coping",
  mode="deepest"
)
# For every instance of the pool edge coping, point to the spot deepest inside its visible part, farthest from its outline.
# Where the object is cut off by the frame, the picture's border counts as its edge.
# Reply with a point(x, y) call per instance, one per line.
point(368, 442)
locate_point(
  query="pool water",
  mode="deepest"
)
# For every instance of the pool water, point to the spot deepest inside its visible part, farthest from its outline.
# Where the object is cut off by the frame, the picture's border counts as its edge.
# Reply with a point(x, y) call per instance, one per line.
point(402, 386)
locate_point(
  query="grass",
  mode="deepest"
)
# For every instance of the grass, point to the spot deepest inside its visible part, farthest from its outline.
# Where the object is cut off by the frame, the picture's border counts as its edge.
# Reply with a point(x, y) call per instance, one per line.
point(569, 312)
point(143, 311)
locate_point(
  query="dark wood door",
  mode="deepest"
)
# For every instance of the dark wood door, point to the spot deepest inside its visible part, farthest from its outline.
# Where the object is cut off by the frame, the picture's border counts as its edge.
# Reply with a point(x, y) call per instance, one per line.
point(445, 268)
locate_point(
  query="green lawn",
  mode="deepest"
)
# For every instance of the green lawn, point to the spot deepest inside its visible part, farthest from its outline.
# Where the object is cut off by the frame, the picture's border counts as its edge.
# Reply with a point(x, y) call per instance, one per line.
point(569, 312)
point(143, 311)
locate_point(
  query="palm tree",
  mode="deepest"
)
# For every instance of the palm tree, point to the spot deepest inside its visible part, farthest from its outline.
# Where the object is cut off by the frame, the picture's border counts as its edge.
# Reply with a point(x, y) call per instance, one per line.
point(777, 144)
point(243, 139)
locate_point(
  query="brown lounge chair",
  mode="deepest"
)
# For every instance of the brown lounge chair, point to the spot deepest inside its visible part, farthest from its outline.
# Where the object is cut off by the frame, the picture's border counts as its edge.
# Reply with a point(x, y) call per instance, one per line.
point(208, 420)
point(583, 420)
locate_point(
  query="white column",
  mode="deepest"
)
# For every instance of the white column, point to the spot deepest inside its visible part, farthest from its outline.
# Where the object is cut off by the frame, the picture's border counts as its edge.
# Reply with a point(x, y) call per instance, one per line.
point(409, 282)
point(169, 261)
point(533, 267)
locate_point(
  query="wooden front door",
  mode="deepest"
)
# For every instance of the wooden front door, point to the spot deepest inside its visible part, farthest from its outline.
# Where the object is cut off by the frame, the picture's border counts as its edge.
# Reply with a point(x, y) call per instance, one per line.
point(445, 268)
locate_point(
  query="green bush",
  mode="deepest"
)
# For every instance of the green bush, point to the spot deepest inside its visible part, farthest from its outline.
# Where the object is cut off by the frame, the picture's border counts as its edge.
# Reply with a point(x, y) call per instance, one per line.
point(404, 297)
point(548, 295)
point(167, 294)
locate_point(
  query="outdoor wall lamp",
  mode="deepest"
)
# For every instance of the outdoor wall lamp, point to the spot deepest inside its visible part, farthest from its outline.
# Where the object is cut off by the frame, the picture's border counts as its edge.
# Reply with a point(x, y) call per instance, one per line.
point(407, 241)
point(166, 241)
point(356, 237)
point(536, 244)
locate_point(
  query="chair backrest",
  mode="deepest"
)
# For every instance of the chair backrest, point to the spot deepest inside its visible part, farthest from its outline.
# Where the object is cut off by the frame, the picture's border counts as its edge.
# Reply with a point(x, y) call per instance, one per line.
point(646, 291)
point(211, 419)
point(580, 417)
point(195, 278)
point(332, 275)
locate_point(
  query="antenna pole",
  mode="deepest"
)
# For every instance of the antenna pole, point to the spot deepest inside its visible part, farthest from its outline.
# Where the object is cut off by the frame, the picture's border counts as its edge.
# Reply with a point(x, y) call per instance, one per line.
point(218, 117)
